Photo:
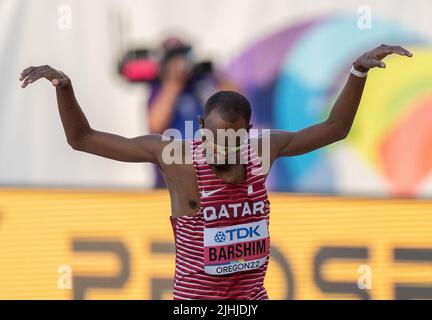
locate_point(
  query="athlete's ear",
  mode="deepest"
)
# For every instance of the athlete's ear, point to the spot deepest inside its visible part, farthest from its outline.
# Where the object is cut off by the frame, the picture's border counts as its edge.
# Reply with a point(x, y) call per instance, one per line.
point(200, 122)
point(201, 127)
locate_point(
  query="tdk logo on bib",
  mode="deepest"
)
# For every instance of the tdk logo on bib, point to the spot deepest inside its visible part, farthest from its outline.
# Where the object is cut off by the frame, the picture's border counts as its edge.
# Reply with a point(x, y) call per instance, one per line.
point(237, 233)
point(219, 237)
point(243, 233)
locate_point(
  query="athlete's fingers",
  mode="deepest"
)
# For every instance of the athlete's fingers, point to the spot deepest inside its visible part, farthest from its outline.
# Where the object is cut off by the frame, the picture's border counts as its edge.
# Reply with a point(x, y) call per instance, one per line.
point(25, 82)
point(378, 63)
point(36, 74)
point(28, 69)
point(405, 51)
point(392, 50)
point(384, 50)
point(32, 77)
point(398, 50)
point(35, 77)
point(33, 74)
point(26, 72)
point(374, 63)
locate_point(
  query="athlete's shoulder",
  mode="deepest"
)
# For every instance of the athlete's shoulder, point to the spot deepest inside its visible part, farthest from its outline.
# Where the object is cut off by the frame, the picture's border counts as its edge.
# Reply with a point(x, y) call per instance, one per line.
point(175, 151)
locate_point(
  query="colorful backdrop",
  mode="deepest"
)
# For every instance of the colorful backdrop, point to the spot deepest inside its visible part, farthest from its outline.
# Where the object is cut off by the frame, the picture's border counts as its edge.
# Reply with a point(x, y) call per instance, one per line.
point(294, 75)
point(290, 58)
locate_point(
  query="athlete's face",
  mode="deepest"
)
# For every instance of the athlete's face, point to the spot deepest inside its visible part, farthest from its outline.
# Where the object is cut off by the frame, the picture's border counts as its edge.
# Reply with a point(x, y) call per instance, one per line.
point(223, 138)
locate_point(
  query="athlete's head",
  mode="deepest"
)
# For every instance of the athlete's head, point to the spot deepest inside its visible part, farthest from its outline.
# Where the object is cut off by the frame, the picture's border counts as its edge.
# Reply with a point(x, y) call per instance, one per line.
point(225, 124)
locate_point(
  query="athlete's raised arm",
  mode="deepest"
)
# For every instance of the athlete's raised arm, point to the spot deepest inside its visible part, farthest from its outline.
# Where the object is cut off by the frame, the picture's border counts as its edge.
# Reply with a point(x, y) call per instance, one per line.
point(79, 133)
point(337, 126)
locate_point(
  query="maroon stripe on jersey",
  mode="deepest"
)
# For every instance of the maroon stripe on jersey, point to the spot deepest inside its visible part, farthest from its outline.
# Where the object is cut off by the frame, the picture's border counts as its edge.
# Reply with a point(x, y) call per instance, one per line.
point(191, 282)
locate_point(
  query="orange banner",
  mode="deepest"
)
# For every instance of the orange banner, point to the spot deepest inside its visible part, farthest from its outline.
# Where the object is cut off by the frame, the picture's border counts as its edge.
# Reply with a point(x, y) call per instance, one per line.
point(68, 244)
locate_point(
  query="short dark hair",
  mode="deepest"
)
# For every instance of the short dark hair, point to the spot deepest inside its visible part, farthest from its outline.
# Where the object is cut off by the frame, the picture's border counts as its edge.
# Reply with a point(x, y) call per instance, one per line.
point(230, 104)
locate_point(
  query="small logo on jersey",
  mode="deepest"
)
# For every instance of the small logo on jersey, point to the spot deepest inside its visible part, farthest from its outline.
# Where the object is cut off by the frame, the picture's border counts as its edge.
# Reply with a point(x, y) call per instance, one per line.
point(205, 194)
point(220, 237)
point(250, 189)
point(232, 235)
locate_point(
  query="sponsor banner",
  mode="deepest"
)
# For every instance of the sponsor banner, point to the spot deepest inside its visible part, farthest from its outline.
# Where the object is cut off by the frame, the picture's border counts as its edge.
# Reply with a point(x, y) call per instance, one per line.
point(81, 244)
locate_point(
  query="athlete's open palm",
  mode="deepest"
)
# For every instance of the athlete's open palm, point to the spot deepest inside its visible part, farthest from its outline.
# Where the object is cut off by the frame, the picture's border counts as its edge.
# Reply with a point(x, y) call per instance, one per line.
point(33, 74)
point(372, 59)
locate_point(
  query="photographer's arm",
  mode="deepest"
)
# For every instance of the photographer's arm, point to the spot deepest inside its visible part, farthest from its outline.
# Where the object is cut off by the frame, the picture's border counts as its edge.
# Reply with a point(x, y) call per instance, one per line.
point(161, 110)
point(175, 75)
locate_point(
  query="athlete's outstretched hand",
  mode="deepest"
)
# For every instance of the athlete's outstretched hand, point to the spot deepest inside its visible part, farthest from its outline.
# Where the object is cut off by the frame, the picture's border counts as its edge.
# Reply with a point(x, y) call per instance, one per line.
point(338, 124)
point(372, 59)
point(32, 74)
point(81, 136)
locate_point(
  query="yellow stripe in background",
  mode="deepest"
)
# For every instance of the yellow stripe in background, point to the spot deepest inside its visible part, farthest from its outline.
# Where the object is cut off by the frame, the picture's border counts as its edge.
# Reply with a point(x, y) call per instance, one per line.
point(314, 239)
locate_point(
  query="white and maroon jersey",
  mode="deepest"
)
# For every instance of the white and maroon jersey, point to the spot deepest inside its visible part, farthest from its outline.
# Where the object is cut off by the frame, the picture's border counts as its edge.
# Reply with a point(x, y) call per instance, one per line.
point(222, 252)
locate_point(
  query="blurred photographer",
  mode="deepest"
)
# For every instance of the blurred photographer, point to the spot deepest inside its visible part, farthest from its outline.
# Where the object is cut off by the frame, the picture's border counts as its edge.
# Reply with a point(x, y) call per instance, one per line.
point(179, 93)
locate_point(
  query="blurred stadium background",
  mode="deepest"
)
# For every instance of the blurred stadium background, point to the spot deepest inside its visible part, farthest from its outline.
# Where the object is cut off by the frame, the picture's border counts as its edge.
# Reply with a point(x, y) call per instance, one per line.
point(359, 211)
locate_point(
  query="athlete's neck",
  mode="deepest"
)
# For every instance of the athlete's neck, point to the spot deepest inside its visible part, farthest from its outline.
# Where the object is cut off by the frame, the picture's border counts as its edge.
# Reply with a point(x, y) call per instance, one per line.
point(230, 173)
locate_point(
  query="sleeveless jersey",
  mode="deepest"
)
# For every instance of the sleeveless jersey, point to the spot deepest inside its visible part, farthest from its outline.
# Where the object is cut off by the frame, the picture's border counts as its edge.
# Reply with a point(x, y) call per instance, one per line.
point(222, 252)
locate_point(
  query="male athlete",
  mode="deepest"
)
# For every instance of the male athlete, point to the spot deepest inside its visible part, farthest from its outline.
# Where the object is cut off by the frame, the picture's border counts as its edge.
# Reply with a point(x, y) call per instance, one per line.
point(220, 209)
